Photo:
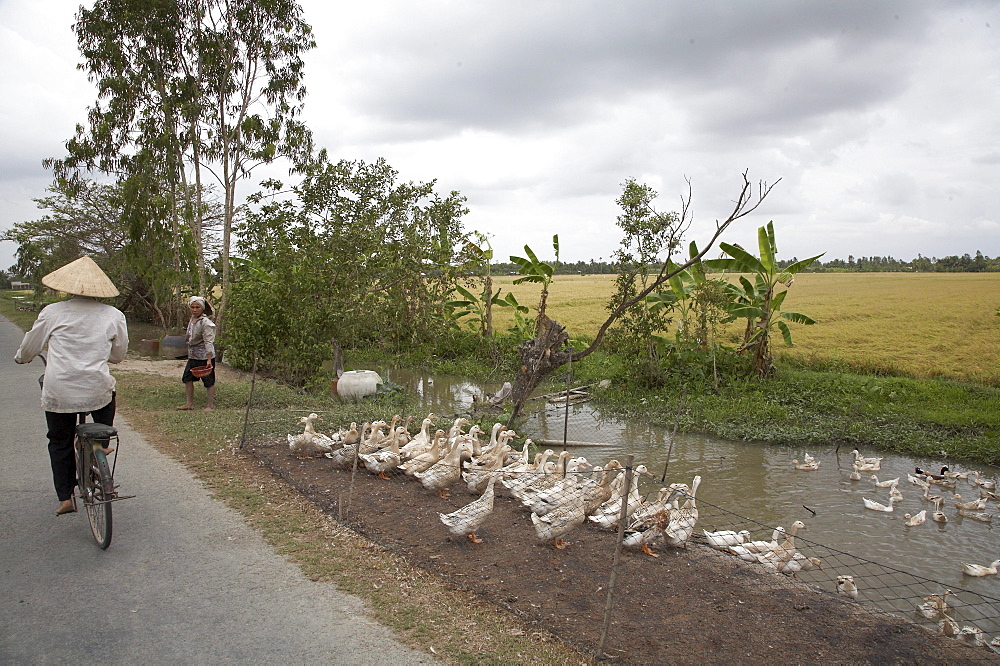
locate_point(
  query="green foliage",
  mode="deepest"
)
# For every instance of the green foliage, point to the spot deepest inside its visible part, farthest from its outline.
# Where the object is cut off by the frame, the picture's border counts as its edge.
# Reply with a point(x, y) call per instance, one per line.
point(535, 271)
point(648, 234)
point(480, 307)
point(354, 256)
point(184, 90)
point(804, 407)
point(125, 227)
point(758, 301)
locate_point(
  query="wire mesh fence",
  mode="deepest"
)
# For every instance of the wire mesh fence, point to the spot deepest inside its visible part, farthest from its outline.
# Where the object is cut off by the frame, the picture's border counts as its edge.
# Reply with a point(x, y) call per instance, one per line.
point(607, 557)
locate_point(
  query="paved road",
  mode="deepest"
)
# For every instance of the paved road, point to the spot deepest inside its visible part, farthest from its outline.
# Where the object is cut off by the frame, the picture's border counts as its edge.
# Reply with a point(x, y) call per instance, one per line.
point(184, 581)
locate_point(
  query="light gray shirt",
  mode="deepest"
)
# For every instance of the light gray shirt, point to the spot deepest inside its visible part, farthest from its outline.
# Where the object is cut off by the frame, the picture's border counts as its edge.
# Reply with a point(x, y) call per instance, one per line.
point(83, 336)
point(201, 338)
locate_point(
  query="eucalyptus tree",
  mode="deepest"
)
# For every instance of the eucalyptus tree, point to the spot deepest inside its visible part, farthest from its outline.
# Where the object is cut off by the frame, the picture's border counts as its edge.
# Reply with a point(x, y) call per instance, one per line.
point(206, 85)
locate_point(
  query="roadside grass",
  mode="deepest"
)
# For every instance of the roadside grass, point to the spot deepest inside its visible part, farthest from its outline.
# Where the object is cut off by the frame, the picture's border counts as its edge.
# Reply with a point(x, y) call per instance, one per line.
point(426, 612)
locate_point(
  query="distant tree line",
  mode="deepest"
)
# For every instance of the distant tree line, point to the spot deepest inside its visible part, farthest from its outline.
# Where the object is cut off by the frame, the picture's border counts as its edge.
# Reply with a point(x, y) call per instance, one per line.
point(978, 263)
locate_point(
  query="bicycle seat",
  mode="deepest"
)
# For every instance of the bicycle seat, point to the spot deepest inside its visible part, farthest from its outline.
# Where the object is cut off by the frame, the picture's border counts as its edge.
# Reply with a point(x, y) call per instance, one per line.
point(96, 430)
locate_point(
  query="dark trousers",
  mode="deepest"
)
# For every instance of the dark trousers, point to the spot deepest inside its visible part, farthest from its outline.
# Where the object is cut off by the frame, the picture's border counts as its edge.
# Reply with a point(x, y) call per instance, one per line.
point(62, 432)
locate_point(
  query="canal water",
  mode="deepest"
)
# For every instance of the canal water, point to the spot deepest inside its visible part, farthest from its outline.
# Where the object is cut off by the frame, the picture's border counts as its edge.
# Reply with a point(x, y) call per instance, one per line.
point(759, 482)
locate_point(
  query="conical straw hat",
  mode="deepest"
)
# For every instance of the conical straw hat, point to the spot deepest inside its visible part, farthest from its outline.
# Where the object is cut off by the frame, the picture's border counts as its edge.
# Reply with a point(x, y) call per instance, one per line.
point(82, 277)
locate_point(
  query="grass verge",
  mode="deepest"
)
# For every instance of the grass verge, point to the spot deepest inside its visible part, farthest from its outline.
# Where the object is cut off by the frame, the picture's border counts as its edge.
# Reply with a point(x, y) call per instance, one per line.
point(923, 417)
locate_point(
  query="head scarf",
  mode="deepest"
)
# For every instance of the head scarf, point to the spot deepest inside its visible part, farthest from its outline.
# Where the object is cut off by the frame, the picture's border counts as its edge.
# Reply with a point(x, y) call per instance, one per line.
point(206, 308)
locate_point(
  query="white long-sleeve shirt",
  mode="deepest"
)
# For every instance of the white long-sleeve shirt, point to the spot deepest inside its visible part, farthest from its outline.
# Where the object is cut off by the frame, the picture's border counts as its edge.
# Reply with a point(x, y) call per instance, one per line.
point(83, 336)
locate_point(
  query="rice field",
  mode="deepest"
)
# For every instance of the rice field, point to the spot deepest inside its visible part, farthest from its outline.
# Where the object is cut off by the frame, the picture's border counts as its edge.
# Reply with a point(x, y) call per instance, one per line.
point(924, 324)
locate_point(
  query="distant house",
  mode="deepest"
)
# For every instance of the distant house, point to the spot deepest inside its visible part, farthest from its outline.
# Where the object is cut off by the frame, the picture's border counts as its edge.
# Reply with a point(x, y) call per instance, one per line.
point(14, 284)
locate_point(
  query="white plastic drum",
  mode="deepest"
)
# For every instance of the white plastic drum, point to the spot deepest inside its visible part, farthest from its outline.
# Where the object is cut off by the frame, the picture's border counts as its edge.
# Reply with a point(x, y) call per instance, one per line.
point(356, 384)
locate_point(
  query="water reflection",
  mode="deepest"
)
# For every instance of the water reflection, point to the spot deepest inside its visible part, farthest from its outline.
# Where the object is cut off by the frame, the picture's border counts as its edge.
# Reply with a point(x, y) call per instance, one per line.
point(758, 481)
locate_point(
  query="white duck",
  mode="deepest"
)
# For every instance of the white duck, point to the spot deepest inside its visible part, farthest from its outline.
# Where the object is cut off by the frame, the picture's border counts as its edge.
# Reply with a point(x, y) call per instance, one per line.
point(468, 519)
point(722, 539)
point(749, 550)
point(441, 475)
point(609, 513)
point(864, 462)
point(384, 460)
point(683, 521)
point(596, 493)
point(876, 506)
point(422, 440)
point(979, 570)
point(477, 477)
point(889, 483)
point(989, 485)
point(516, 477)
point(346, 437)
point(786, 550)
point(981, 516)
point(799, 563)
point(913, 521)
point(806, 466)
point(938, 515)
point(309, 443)
point(560, 521)
point(846, 587)
point(545, 499)
point(422, 461)
point(974, 505)
point(375, 440)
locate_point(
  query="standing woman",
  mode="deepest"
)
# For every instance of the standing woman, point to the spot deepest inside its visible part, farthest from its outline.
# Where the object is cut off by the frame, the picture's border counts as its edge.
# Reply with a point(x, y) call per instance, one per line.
point(201, 352)
point(83, 335)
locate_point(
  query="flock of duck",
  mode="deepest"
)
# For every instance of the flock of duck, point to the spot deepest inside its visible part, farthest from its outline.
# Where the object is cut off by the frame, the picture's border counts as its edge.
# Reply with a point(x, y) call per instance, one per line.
point(930, 484)
point(558, 490)
point(561, 495)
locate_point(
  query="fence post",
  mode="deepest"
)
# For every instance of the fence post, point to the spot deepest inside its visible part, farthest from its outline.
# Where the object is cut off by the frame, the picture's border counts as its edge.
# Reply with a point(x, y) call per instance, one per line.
point(569, 383)
point(246, 414)
point(623, 516)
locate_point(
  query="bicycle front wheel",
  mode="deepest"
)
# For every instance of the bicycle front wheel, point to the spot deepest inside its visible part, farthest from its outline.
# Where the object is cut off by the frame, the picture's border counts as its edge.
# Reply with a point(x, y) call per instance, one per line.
point(99, 503)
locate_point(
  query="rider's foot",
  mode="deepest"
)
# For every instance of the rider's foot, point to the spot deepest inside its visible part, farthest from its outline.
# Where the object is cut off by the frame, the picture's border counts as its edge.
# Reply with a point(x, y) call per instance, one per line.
point(65, 506)
point(184, 407)
point(207, 409)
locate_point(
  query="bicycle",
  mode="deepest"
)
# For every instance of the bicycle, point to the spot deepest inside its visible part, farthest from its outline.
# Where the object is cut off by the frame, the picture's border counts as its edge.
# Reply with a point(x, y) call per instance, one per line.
point(95, 482)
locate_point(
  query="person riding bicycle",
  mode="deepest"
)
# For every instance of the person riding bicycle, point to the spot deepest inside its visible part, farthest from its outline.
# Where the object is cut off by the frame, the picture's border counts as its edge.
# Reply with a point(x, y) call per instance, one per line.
point(83, 336)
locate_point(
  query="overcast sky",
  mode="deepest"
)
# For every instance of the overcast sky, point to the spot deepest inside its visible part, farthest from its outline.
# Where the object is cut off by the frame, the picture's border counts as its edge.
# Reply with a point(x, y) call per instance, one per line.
point(882, 119)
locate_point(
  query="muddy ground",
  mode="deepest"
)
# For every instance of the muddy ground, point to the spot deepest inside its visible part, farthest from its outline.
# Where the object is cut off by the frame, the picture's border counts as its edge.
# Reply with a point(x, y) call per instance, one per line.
point(686, 606)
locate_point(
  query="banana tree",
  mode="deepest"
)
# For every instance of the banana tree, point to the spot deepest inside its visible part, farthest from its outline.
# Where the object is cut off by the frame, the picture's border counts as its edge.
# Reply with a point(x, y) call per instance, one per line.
point(481, 308)
point(683, 284)
point(758, 301)
point(539, 272)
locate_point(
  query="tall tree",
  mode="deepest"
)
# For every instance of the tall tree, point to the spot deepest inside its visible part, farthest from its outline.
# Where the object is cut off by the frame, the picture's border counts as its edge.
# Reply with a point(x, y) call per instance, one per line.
point(210, 85)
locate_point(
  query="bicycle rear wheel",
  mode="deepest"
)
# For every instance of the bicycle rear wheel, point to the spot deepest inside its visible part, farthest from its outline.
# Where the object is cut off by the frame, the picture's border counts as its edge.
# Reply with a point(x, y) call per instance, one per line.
point(99, 501)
